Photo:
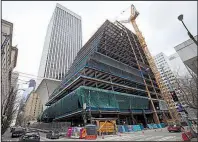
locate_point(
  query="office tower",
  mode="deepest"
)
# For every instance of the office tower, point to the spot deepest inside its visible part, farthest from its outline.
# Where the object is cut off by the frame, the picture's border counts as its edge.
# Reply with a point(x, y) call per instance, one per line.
point(8, 62)
point(172, 68)
point(62, 42)
point(177, 66)
point(188, 53)
point(33, 108)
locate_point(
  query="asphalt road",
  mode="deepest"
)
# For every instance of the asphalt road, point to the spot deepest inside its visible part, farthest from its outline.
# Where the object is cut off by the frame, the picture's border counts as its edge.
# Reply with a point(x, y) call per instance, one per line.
point(147, 135)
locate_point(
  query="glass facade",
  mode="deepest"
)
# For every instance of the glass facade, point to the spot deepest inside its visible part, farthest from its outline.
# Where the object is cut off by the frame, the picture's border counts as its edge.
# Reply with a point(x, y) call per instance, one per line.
point(63, 41)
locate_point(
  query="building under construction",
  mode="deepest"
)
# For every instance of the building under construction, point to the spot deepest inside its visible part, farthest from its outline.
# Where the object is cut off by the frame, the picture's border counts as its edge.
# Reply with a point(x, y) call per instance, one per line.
point(109, 78)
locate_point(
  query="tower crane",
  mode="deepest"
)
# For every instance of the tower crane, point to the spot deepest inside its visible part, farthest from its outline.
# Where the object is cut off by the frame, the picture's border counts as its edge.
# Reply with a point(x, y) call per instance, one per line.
point(134, 14)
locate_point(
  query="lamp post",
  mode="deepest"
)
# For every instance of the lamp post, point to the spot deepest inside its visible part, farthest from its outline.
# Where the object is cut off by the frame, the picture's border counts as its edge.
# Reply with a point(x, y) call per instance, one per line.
point(180, 18)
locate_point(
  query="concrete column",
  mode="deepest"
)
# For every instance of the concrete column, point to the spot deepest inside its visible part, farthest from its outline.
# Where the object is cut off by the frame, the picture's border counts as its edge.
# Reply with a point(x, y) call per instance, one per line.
point(155, 116)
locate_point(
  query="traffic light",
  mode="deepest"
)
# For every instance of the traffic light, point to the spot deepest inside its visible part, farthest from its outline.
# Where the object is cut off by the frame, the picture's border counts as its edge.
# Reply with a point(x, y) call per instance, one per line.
point(174, 96)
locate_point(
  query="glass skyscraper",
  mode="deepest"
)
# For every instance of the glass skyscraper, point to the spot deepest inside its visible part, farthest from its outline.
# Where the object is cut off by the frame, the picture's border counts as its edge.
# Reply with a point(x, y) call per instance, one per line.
point(62, 43)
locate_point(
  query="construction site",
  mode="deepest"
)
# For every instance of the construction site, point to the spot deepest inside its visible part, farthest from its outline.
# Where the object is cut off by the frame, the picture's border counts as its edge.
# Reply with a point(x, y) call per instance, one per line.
point(113, 77)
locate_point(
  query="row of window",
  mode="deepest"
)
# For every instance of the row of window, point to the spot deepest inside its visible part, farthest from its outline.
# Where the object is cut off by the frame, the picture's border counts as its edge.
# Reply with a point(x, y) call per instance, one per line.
point(63, 40)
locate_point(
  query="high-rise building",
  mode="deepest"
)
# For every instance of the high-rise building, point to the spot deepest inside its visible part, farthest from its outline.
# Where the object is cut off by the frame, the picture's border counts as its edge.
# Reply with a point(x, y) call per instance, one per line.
point(8, 61)
point(62, 42)
point(177, 66)
point(168, 77)
point(14, 85)
point(33, 108)
point(188, 53)
point(172, 68)
point(109, 78)
point(14, 80)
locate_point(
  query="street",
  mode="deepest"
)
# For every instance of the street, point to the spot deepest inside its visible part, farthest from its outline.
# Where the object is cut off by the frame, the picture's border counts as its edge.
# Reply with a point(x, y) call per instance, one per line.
point(147, 135)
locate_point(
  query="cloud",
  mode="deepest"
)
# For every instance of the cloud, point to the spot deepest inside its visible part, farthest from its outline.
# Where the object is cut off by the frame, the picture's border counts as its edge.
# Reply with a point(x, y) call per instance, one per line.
point(157, 21)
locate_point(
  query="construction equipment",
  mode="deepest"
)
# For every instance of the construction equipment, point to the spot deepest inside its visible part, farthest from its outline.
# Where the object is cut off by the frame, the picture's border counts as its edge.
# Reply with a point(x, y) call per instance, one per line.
point(106, 125)
point(163, 88)
point(7, 37)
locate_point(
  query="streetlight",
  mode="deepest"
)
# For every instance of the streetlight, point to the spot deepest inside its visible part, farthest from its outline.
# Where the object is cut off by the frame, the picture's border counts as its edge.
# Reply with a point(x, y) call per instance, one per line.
point(180, 18)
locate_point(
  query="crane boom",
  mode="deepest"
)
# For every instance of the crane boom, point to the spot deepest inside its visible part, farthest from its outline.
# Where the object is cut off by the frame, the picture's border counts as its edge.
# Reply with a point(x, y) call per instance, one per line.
point(163, 88)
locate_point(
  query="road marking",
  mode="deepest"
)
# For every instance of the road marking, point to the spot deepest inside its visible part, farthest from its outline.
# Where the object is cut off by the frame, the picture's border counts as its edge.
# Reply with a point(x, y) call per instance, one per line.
point(166, 138)
point(126, 137)
point(150, 138)
point(44, 139)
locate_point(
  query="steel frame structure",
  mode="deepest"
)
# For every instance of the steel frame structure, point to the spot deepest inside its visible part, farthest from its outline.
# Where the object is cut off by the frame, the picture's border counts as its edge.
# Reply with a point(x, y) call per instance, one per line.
point(111, 51)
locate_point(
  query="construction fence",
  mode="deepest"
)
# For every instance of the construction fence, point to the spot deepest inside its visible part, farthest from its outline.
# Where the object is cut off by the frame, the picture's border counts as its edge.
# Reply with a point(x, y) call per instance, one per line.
point(135, 128)
point(57, 126)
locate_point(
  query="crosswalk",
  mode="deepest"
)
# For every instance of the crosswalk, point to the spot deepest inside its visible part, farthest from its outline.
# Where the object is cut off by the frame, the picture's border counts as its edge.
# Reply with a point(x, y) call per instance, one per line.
point(141, 138)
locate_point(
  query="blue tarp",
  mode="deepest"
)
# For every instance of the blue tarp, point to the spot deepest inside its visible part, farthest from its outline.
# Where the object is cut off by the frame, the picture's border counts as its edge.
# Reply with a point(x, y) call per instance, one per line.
point(130, 128)
point(163, 125)
point(136, 128)
point(159, 126)
point(126, 128)
point(155, 126)
point(142, 127)
point(121, 129)
point(150, 126)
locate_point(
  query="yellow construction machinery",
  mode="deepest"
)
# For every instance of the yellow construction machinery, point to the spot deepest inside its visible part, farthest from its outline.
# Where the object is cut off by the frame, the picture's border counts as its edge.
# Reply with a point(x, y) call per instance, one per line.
point(163, 88)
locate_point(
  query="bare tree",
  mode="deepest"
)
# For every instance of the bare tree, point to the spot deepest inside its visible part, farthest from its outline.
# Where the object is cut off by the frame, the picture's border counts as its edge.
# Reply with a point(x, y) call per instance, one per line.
point(9, 109)
point(188, 89)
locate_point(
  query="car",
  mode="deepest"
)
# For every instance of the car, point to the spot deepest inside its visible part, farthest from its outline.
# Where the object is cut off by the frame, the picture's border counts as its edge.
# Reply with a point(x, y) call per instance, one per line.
point(17, 132)
point(175, 128)
point(53, 135)
point(30, 136)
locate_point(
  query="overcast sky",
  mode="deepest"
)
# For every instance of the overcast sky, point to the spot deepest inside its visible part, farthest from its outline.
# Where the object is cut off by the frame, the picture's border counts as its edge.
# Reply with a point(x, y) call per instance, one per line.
point(157, 21)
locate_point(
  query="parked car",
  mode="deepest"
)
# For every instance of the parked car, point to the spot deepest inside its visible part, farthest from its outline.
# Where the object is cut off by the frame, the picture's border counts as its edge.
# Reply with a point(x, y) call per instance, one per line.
point(30, 136)
point(53, 135)
point(175, 128)
point(17, 132)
